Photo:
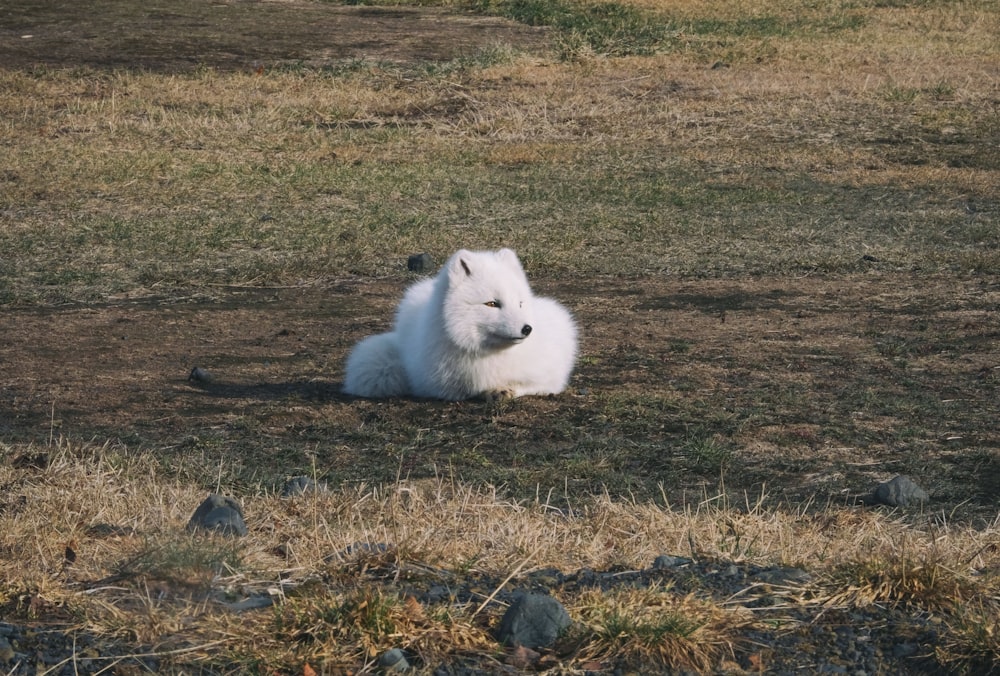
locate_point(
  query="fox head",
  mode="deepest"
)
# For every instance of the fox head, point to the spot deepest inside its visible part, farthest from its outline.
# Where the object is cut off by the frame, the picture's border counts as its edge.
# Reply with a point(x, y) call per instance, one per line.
point(488, 302)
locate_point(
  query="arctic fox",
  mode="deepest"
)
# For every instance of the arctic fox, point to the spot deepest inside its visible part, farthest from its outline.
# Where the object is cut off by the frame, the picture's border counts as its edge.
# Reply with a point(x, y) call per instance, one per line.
point(474, 330)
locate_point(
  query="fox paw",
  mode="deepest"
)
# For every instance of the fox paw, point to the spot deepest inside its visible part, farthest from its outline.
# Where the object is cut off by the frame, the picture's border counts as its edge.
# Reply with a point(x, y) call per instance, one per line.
point(498, 396)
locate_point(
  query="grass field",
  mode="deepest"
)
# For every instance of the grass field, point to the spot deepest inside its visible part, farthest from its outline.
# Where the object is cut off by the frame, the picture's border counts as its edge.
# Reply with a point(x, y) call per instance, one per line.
point(778, 225)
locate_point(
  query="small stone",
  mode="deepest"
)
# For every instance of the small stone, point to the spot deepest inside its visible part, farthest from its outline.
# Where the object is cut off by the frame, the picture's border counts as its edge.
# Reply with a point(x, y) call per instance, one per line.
point(732, 570)
point(200, 375)
point(546, 577)
point(394, 659)
point(533, 621)
point(6, 651)
point(665, 561)
point(900, 492)
point(300, 485)
point(421, 262)
point(783, 576)
point(220, 514)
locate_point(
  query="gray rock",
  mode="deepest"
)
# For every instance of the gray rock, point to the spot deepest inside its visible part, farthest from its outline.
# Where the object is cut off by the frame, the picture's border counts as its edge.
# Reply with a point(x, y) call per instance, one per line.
point(420, 262)
point(732, 570)
point(664, 561)
point(219, 514)
point(7, 653)
point(533, 621)
point(900, 492)
point(783, 576)
point(300, 485)
point(393, 660)
point(200, 375)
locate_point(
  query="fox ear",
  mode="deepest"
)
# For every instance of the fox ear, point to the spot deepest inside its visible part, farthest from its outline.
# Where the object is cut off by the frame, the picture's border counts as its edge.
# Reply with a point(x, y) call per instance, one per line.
point(509, 258)
point(459, 266)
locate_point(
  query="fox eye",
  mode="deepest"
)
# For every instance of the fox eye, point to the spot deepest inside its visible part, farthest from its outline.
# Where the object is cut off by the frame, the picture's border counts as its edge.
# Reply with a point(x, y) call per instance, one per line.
point(492, 303)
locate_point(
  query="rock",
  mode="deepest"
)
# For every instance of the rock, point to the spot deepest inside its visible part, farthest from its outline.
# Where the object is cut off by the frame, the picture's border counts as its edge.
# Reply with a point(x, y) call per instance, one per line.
point(219, 514)
point(546, 578)
point(733, 571)
point(200, 375)
point(420, 262)
point(394, 660)
point(783, 576)
point(533, 621)
point(300, 485)
point(900, 492)
point(7, 653)
point(365, 548)
point(665, 561)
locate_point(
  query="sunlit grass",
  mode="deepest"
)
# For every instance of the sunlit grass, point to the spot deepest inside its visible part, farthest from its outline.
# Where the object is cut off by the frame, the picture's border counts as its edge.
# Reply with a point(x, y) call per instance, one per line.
point(335, 602)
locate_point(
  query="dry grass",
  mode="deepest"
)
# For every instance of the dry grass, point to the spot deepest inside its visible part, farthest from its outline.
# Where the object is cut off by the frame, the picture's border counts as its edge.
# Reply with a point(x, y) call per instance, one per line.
point(658, 627)
point(812, 148)
point(135, 574)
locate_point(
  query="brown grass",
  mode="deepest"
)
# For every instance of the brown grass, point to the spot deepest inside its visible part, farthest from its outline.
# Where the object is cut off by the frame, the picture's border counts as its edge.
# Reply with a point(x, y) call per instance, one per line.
point(149, 582)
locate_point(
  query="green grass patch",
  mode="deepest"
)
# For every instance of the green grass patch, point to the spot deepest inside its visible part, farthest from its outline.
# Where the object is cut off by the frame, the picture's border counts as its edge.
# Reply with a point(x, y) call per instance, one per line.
point(610, 28)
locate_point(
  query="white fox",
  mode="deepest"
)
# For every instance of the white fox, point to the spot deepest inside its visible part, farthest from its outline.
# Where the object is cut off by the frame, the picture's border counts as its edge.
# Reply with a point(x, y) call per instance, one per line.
point(474, 330)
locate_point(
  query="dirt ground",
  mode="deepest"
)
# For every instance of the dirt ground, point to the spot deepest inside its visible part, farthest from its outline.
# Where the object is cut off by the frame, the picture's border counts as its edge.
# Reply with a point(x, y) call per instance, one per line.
point(184, 35)
point(812, 389)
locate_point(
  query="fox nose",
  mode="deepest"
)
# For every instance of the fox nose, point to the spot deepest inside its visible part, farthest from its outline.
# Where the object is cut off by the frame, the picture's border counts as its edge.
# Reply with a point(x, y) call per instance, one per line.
point(525, 330)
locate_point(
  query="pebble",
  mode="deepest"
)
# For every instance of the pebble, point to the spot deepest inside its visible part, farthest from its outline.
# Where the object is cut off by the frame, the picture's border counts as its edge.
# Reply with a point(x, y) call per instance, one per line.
point(300, 485)
point(394, 660)
point(219, 514)
point(533, 621)
point(664, 561)
point(900, 491)
point(6, 650)
point(200, 375)
point(783, 576)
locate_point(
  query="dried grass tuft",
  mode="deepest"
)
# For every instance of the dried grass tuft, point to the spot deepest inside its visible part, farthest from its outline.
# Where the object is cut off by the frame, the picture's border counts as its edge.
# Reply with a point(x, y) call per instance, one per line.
point(656, 626)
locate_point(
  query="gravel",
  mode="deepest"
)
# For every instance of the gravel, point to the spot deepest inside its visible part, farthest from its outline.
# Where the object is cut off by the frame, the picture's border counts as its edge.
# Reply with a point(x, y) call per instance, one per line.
point(791, 638)
point(801, 639)
point(26, 649)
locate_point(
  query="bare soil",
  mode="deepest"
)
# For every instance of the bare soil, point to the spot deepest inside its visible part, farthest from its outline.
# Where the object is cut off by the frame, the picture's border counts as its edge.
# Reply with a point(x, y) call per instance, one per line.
point(185, 34)
point(808, 390)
